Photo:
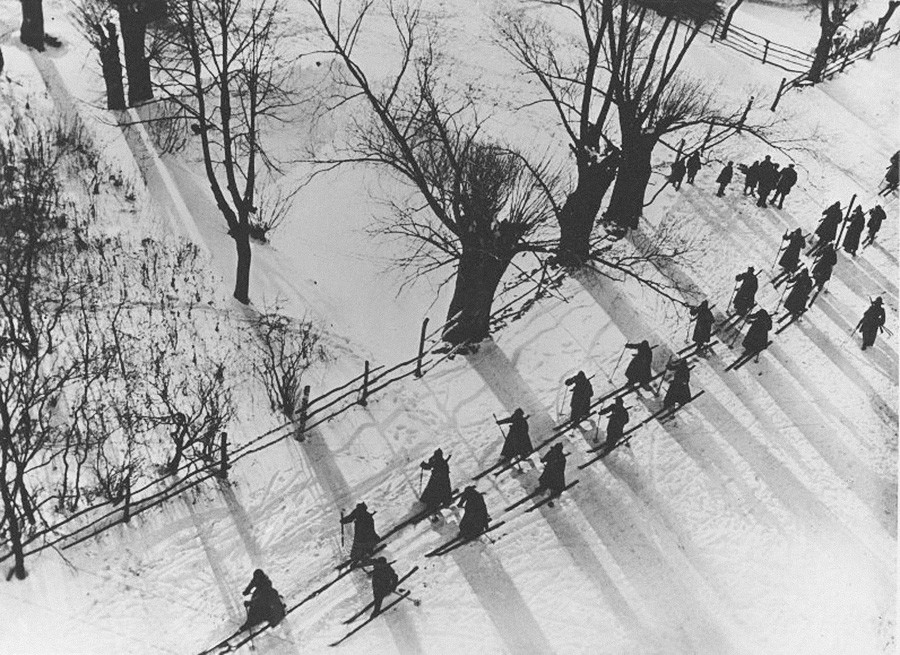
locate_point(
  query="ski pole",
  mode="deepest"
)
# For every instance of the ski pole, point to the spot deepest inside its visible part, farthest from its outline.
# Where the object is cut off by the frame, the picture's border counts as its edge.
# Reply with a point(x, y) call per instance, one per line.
point(342, 529)
point(502, 434)
point(781, 247)
point(617, 364)
point(730, 300)
point(421, 473)
point(844, 222)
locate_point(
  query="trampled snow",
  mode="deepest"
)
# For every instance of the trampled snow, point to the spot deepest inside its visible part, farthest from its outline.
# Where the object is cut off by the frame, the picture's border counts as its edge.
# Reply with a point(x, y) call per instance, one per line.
point(762, 519)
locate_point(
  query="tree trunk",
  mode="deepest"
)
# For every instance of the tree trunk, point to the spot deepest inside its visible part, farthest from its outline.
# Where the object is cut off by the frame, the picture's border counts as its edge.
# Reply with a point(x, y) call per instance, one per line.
point(32, 30)
point(576, 219)
point(477, 276)
point(12, 527)
point(627, 202)
point(241, 238)
point(823, 47)
point(112, 67)
point(134, 32)
point(883, 21)
point(728, 17)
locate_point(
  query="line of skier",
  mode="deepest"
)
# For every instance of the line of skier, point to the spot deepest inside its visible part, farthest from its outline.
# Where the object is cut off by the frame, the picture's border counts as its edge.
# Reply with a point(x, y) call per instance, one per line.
point(266, 605)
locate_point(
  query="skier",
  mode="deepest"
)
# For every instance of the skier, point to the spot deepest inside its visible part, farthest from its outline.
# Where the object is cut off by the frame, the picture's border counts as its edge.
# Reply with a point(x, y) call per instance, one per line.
point(892, 176)
point(766, 180)
point(876, 218)
point(517, 443)
point(618, 418)
point(790, 258)
point(437, 492)
point(265, 603)
point(553, 477)
point(677, 173)
point(757, 337)
point(745, 297)
point(476, 519)
point(724, 178)
point(751, 177)
point(364, 536)
point(824, 265)
point(703, 328)
point(639, 371)
point(384, 582)
point(801, 285)
point(693, 166)
point(827, 229)
point(679, 391)
point(872, 321)
point(581, 397)
point(854, 231)
point(786, 182)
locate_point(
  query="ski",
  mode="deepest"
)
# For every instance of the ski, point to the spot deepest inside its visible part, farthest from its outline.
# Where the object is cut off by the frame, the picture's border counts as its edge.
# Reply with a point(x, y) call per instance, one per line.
point(793, 320)
point(224, 644)
point(524, 500)
point(549, 499)
point(348, 562)
point(370, 619)
point(672, 410)
point(371, 604)
point(745, 357)
point(419, 516)
point(457, 542)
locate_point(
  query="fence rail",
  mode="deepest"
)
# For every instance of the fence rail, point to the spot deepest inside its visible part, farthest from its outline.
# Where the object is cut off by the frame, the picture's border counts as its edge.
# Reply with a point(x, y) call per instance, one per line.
point(760, 48)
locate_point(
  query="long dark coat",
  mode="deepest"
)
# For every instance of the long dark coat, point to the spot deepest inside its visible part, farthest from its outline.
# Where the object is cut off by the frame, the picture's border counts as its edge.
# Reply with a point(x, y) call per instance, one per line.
point(703, 326)
point(827, 229)
point(517, 442)
point(854, 231)
point(580, 404)
point(364, 536)
point(795, 303)
point(757, 336)
point(437, 492)
point(265, 604)
point(476, 519)
point(553, 477)
point(679, 391)
point(824, 265)
point(618, 419)
point(745, 297)
point(872, 319)
point(791, 255)
point(384, 580)
point(639, 369)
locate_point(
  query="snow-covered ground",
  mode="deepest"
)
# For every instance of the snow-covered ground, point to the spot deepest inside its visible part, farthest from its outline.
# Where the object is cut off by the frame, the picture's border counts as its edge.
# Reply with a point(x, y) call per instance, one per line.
point(763, 519)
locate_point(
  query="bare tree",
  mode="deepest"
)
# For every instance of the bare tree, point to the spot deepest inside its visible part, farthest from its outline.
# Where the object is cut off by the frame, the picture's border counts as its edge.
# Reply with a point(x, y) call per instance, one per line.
point(729, 16)
point(832, 15)
point(285, 349)
point(220, 63)
point(32, 30)
point(624, 89)
point(94, 19)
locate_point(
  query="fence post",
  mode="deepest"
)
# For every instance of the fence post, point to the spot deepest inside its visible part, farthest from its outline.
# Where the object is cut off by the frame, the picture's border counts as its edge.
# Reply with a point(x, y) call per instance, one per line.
point(778, 95)
point(680, 148)
point(744, 115)
point(223, 455)
point(872, 47)
point(844, 63)
point(126, 513)
point(715, 29)
point(304, 408)
point(365, 386)
point(421, 348)
point(765, 52)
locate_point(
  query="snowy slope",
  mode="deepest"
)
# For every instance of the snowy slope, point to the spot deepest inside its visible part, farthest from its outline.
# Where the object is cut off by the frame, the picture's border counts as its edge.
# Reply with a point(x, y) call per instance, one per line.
point(762, 519)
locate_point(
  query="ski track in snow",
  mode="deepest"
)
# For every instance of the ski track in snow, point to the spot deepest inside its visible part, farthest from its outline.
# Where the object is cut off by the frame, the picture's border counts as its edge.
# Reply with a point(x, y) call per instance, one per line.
point(769, 453)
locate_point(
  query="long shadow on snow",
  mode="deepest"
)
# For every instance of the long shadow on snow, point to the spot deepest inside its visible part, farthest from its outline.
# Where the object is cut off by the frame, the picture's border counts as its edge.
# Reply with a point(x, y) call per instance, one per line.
point(777, 477)
point(856, 475)
point(650, 567)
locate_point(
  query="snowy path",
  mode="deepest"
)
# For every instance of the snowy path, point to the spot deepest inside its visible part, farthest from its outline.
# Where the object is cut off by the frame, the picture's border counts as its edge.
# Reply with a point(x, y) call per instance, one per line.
point(761, 519)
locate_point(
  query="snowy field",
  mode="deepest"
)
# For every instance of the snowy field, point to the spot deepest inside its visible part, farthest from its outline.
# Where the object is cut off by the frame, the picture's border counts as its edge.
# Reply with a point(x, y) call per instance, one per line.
point(762, 519)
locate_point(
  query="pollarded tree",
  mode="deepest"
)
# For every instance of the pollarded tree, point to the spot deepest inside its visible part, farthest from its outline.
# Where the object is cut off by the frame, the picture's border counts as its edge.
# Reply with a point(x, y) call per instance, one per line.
point(94, 19)
point(483, 202)
point(219, 64)
point(832, 15)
